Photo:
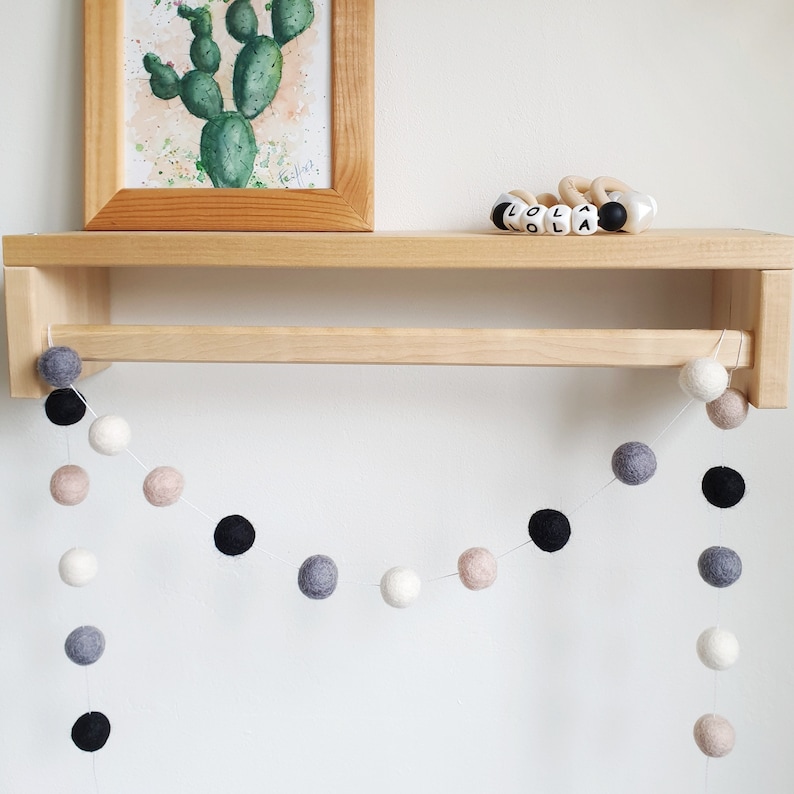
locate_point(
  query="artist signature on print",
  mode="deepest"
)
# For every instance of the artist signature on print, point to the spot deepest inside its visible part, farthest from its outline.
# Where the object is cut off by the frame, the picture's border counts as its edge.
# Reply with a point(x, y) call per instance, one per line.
point(295, 175)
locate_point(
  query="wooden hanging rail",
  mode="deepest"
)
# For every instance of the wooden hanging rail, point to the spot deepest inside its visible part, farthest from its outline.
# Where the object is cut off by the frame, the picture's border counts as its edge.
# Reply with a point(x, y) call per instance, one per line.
point(502, 347)
point(59, 284)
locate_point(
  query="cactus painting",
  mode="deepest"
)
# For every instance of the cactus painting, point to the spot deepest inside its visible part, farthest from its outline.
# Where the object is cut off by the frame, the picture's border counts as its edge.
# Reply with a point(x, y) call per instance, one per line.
point(232, 82)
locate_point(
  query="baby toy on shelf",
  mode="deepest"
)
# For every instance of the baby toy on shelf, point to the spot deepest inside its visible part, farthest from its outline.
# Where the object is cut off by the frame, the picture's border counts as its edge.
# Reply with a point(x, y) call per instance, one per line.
point(583, 207)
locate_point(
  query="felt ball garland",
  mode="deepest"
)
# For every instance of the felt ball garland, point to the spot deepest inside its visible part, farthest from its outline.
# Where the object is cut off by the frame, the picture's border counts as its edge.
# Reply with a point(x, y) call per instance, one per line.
point(633, 463)
point(69, 485)
point(719, 566)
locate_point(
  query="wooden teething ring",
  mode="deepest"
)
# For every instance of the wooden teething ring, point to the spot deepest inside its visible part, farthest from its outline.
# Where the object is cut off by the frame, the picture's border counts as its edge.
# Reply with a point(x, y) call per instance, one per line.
point(546, 199)
point(576, 190)
point(603, 185)
point(573, 189)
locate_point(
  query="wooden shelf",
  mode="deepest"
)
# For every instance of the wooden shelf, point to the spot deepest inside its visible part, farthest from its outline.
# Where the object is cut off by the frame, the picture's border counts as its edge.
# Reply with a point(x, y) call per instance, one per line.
point(59, 284)
point(714, 249)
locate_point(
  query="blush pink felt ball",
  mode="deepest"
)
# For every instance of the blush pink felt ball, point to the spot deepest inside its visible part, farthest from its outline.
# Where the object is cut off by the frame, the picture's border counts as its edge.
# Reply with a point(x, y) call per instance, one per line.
point(714, 735)
point(477, 568)
point(729, 410)
point(69, 485)
point(163, 486)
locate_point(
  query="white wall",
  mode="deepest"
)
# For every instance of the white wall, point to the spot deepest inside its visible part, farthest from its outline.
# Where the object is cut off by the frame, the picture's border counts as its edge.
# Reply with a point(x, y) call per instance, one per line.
point(576, 672)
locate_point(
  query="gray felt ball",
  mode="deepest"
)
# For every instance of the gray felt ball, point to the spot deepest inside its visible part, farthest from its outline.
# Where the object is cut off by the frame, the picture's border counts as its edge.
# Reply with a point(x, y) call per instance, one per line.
point(60, 366)
point(633, 463)
point(719, 566)
point(85, 645)
point(317, 577)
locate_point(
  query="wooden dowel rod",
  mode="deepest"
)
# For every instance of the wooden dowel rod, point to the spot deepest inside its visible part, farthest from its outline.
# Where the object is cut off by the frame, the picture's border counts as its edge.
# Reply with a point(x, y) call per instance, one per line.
point(454, 346)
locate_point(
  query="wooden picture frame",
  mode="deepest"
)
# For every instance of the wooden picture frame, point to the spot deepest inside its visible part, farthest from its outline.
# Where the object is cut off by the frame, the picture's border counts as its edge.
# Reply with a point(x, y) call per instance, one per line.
point(347, 205)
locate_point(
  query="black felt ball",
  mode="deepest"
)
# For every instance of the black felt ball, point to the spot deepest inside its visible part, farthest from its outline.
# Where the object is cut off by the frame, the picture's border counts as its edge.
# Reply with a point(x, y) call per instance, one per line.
point(64, 407)
point(91, 731)
point(723, 487)
point(612, 216)
point(234, 535)
point(549, 530)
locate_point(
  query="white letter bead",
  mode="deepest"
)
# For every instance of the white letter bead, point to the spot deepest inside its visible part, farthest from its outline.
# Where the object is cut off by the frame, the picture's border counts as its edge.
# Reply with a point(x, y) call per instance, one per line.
point(532, 219)
point(558, 219)
point(512, 216)
point(584, 219)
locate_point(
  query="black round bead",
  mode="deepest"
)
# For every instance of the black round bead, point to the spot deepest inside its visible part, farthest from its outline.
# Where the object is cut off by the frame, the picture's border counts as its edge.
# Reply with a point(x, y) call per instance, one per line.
point(612, 216)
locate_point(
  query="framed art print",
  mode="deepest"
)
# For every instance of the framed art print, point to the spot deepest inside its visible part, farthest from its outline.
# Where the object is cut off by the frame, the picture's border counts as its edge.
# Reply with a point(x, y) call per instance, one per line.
point(235, 115)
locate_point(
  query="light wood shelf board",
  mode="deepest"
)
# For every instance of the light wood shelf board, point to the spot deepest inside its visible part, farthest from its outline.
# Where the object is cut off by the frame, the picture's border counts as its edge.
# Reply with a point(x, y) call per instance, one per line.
point(709, 249)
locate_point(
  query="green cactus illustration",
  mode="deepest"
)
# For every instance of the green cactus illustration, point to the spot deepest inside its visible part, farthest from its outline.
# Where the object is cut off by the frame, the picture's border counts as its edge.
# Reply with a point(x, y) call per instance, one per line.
point(228, 144)
point(290, 19)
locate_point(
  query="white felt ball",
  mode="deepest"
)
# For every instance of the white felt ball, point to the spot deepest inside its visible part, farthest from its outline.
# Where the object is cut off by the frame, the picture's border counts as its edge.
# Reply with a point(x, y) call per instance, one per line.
point(78, 567)
point(109, 435)
point(400, 587)
point(703, 379)
point(69, 485)
point(717, 648)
